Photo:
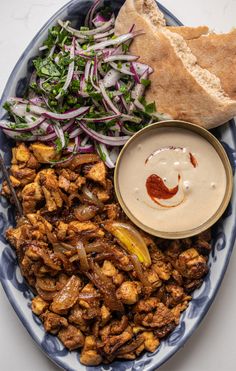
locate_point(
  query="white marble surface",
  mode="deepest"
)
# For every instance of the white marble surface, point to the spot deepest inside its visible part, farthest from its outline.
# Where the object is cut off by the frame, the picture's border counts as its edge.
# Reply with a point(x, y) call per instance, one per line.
point(212, 347)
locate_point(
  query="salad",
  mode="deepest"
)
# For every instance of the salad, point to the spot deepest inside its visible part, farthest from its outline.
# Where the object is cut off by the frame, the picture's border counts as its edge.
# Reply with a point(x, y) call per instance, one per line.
point(86, 92)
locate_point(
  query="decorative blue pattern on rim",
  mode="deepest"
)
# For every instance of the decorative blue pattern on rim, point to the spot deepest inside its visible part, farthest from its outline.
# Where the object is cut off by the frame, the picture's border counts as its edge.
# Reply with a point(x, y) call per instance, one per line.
point(18, 292)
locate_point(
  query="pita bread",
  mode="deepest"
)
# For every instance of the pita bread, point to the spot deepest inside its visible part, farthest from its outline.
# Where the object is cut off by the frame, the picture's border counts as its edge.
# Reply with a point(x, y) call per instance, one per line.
point(180, 87)
point(217, 53)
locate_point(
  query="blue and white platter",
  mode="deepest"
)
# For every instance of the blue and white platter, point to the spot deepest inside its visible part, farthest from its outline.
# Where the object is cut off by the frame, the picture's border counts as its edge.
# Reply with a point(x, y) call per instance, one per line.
point(18, 292)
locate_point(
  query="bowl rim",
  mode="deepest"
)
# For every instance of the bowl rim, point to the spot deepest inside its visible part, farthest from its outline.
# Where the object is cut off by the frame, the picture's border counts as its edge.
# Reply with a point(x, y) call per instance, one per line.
point(204, 133)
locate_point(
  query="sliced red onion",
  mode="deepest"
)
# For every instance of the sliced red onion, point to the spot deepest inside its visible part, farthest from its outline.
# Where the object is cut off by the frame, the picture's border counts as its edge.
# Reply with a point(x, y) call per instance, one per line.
point(83, 87)
point(102, 150)
point(107, 99)
point(123, 69)
point(68, 125)
point(67, 115)
point(141, 68)
point(135, 74)
point(20, 136)
point(87, 69)
point(119, 57)
point(104, 35)
point(111, 78)
point(98, 20)
point(80, 148)
point(30, 126)
point(91, 12)
point(72, 30)
point(119, 40)
point(130, 118)
point(23, 109)
point(70, 71)
point(75, 133)
point(114, 154)
point(85, 140)
point(63, 160)
point(110, 141)
point(101, 29)
point(48, 138)
point(100, 119)
point(36, 101)
point(122, 99)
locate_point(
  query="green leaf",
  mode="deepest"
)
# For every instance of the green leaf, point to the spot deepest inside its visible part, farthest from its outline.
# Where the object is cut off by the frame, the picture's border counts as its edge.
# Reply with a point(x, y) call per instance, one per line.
point(145, 82)
point(150, 108)
point(46, 67)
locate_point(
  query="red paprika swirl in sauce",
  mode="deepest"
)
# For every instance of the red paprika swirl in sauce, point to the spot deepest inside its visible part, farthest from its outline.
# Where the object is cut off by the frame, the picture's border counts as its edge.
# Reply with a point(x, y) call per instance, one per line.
point(157, 189)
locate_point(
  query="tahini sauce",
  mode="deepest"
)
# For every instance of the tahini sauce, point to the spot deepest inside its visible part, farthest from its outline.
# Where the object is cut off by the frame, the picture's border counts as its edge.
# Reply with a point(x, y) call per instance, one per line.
point(189, 175)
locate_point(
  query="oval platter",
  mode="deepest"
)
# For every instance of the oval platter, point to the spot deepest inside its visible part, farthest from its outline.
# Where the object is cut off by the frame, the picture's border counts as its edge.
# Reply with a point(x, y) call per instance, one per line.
point(18, 292)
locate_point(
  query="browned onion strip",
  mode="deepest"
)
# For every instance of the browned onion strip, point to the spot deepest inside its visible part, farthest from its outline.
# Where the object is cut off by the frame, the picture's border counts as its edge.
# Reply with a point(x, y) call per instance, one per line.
point(106, 287)
point(98, 246)
point(82, 256)
point(63, 247)
point(130, 347)
point(46, 284)
point(103, 256)
point(88, 295)
point(85, 212)
point(138, 269)
point(89, 196)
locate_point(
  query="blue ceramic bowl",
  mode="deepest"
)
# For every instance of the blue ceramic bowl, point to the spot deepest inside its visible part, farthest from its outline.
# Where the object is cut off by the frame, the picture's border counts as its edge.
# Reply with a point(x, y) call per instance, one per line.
point(17, 291)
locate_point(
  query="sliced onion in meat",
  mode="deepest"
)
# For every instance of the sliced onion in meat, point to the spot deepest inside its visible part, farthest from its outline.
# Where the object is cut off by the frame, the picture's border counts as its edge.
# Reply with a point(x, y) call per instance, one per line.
point(85, 212)
point(82, 256)
point(106, 287)
point(89, 196)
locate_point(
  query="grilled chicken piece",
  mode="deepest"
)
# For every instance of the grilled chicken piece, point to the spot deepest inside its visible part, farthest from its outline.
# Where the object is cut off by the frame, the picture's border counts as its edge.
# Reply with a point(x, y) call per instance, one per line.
point(97, 173)
point(38, 305)
point(161, 317)
point(71, 337)
point(44, 153)
point(89, 355)
point(53, 322)
point(23, 175)
point(191, 265)
point(31, 195)
point(129, 292)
